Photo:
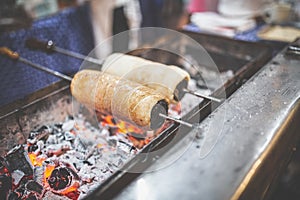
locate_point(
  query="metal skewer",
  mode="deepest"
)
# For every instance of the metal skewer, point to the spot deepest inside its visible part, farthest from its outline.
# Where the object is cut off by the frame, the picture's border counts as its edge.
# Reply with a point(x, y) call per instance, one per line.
point(15, 56)
point(177, 120)
point(202, 95)
point(50, 47)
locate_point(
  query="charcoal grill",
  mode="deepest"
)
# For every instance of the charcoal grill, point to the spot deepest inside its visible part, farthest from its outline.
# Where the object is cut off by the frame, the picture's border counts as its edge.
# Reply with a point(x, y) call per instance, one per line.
point(54, 103)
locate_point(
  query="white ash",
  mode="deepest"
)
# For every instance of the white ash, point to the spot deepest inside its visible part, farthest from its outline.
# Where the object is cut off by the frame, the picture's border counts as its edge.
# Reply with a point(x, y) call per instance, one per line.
point(68, 125)
point(17, 176)
point(39, 174)
point(51, 196)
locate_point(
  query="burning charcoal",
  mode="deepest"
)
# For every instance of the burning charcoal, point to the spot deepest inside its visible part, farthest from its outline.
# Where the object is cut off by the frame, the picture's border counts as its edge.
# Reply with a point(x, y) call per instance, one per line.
point(17, 159)
point(17, 176)
point(60, 178)
point(34, 186)
point(5, 185)
point(58, 149)
point(64, 181)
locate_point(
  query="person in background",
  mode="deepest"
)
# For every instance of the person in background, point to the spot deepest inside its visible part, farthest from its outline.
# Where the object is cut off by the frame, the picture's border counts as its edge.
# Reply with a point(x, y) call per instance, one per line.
point(113, 17)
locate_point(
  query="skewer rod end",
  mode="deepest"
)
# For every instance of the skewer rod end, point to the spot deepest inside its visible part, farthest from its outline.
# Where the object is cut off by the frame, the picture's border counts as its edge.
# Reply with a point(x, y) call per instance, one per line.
point(9, 53)
point(177, 120)
point(203, 96)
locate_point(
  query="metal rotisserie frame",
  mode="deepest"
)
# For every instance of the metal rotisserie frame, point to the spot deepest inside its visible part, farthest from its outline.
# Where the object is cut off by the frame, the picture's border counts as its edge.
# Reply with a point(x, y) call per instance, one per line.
point(54, 103)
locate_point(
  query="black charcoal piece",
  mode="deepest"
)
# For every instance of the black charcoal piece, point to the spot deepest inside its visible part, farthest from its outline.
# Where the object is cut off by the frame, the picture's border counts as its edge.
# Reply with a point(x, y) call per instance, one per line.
point(32, 148)
point(34, 186)
point(17, 159)
point(14, 196)
point(5, 185)
point(60, 178)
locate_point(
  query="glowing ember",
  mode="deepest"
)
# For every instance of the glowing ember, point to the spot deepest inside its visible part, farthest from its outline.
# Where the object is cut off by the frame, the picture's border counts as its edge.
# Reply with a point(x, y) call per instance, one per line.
point(72, 158)
point(48, 171)
point(121, 126)
point(62, 180)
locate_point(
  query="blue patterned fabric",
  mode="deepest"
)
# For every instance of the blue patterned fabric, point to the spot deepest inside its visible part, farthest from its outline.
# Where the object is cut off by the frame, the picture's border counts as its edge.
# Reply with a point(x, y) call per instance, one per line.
point(250, 35)
point(70, 29)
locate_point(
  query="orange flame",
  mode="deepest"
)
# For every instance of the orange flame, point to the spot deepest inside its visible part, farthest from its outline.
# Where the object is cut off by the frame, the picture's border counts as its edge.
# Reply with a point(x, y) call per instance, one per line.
point(36, 160)
point(48, 171)
point(136, 135)
point(72, 188)
point(122, 126)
